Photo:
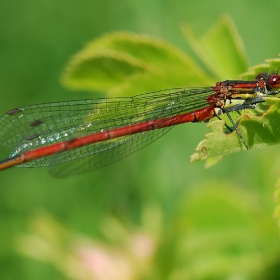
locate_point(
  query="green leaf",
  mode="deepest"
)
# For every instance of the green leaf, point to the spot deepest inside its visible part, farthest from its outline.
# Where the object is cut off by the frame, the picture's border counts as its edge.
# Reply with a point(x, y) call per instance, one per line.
point(100, 71)
point(218, 143)
point(220, 49)
point(126, 63)
point(257, 132)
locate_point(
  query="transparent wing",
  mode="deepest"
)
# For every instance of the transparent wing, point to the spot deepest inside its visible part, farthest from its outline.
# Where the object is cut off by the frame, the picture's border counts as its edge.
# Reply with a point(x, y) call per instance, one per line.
point(31, 127)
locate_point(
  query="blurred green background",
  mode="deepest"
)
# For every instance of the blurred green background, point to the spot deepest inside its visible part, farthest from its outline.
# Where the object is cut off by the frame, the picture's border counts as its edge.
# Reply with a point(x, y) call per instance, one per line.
point(196, 223)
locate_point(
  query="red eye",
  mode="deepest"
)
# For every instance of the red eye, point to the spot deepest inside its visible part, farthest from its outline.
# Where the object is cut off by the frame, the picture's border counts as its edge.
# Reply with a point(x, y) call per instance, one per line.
point(274, 81)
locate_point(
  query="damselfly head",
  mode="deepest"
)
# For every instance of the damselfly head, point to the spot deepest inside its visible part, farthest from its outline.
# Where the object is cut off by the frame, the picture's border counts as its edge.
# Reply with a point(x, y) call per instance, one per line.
point(272, 81)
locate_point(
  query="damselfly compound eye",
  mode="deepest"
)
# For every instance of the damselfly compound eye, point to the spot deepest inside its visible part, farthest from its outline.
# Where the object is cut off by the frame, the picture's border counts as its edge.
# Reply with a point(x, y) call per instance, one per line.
point(274, 81)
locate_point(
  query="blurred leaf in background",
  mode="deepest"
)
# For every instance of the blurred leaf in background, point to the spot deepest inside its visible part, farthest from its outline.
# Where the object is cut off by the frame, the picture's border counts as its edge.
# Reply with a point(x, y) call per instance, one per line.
point(125, 63)
point(233, 237)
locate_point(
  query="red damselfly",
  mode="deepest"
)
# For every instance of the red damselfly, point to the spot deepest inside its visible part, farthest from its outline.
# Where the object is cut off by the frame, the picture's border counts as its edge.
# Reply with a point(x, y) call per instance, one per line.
point(76, 136)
